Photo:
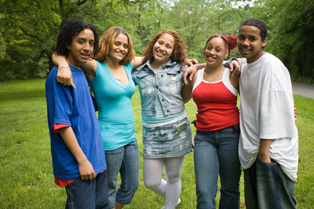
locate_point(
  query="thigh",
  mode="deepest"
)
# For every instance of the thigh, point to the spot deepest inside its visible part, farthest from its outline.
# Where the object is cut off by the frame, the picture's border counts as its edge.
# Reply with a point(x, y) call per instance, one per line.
point(229, 163)
point(205, 157)
point(250, 191)
point(102, 191)
point(152, 170)
point(130, 164)
point(81, 194)
point(272, 189)
point(114, 160)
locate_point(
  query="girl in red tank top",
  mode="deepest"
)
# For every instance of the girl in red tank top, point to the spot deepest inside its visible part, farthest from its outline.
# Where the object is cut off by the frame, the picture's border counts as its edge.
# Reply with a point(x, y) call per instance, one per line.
point(215, 91)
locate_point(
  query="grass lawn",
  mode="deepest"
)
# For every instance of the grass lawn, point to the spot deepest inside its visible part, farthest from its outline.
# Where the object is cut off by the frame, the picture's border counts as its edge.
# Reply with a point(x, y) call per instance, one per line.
point(26, 179)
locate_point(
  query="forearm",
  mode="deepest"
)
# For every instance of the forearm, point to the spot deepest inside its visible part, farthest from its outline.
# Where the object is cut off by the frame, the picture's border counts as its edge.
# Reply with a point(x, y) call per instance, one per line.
point(85, 168)
point(200, 66)
point(186, 93)
point(71, 142)
point(264, 147)
point(59, 60)
point(137, 61)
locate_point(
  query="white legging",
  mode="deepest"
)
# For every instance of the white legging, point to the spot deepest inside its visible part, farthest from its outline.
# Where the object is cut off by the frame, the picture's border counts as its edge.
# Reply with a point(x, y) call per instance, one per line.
point(170, 189)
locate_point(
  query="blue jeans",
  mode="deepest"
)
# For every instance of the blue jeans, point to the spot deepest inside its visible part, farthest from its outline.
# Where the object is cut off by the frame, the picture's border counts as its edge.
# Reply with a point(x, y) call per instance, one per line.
point(216, 152)
point(266, 186)
point(126, 161)
point(88, 194)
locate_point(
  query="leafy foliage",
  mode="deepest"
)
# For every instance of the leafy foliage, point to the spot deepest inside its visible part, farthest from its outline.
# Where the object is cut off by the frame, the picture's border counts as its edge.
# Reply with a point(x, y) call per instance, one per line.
point(29, 28)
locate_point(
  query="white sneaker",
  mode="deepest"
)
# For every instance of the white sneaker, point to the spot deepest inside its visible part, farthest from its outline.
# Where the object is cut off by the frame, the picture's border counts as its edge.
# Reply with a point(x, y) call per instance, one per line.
point(178, 203)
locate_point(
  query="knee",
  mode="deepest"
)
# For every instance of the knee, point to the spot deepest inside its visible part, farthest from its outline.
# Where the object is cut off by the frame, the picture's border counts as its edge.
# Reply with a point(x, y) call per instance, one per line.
point(151, 183)
point(134, 185)
point(174, 178)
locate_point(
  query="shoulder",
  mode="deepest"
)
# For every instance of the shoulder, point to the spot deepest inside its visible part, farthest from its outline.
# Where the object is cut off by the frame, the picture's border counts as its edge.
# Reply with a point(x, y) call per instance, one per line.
point(129, 67)
point(51, 78)
point(271, 61)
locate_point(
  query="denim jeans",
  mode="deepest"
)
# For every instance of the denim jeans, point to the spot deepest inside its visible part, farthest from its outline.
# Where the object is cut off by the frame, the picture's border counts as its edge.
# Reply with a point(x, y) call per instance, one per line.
point(88, 194)
point(126, 161)
point(216, 152)
point(266, 186)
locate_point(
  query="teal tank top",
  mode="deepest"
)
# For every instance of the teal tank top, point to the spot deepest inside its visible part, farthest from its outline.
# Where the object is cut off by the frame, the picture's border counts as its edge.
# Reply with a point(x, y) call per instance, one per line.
point(115, 114)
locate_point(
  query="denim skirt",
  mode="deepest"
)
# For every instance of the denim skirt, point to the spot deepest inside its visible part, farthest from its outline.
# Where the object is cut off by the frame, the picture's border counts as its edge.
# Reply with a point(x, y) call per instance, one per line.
point(166, 141)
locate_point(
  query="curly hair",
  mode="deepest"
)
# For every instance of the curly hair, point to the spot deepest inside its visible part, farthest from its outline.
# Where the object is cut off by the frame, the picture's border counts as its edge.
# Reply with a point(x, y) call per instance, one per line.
point(71, 29)
point(106, 43)
point(179, 50)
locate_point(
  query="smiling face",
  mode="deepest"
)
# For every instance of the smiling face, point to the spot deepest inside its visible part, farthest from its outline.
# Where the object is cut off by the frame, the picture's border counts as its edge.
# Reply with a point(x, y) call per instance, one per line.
point(163, 48)
point(119, 49)
point(250, 43)
point(216, 51)
point(81, 48)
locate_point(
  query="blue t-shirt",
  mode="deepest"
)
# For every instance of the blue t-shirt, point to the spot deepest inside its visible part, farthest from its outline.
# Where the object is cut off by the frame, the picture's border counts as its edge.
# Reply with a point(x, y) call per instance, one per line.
point(73, 107)
point(115, 114)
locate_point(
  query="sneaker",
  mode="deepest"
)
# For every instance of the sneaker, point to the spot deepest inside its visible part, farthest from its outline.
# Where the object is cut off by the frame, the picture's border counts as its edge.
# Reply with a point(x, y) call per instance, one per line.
point(178, 203)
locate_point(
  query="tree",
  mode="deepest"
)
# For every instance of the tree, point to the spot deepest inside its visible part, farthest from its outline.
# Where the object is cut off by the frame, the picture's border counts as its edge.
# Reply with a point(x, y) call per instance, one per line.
point(291, 28)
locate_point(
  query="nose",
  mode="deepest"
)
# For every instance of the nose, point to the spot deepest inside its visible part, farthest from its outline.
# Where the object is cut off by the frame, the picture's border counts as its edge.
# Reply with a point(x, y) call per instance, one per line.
point(87, 47)
point(162, 47)
point(245, 42)
point(210, 51)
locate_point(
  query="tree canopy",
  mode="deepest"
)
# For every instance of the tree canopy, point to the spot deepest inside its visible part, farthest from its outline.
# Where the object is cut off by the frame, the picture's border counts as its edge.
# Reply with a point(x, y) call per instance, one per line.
point(29, 28)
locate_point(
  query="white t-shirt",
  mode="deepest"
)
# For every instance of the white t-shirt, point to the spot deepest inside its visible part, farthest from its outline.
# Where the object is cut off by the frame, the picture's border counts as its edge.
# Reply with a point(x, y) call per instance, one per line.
point(266, 112)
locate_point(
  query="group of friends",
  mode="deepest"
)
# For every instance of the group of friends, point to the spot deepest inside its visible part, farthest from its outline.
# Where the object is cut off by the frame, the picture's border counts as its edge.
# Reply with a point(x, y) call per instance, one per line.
point(88, 153)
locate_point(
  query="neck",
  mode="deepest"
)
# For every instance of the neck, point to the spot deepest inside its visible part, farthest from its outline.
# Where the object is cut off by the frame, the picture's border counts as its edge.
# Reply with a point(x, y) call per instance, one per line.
point(156, 65)
point(112, 64)
point(213, 69)
point(73, 63)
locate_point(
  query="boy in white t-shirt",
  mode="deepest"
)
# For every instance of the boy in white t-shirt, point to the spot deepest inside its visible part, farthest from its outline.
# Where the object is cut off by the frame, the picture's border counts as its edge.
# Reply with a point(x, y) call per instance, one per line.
point(268, 147)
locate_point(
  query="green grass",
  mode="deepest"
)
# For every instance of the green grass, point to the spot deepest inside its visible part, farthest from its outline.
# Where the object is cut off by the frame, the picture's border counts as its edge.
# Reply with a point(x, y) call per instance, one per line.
point(26, 179)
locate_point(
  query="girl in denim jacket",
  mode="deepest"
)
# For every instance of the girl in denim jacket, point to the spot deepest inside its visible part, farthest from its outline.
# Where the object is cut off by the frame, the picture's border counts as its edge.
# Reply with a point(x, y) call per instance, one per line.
point(167, 136)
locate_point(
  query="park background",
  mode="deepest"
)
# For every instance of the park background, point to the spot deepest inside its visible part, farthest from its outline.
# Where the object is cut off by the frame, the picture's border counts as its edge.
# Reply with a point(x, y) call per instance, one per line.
point(28, 33)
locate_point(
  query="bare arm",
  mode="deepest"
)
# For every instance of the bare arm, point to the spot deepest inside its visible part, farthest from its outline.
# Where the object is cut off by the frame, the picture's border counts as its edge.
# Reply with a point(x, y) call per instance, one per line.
point(189, 73)
point(264, 150)
point(234, 79)
point(137, 61)
point(64, 74)
point(86, 169)
point(186, 91)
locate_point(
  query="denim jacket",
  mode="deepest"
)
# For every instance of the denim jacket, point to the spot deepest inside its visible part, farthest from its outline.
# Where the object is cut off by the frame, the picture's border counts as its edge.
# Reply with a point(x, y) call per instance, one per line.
point(165, 85)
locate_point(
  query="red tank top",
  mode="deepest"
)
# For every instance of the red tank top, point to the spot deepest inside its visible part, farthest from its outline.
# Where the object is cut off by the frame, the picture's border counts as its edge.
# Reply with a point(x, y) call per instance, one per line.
point(216, 106)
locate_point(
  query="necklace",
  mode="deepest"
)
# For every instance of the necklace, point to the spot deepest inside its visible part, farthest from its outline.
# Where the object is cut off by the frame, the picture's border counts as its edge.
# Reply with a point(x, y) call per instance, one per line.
point(212, 80)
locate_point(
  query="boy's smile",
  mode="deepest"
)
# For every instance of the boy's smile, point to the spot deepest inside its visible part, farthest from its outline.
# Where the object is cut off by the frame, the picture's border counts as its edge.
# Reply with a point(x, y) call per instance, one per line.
point(81, 48)
point(250, 44)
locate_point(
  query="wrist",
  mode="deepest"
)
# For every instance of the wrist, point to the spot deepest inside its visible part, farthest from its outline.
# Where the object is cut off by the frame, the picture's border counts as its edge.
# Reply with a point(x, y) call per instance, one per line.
point(61, 67)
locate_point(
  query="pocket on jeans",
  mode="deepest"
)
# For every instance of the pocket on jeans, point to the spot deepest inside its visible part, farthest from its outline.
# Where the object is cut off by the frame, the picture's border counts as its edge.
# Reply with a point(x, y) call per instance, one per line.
point(134, 144)
point(198, 137)
point(272, 163)
point(236, 129)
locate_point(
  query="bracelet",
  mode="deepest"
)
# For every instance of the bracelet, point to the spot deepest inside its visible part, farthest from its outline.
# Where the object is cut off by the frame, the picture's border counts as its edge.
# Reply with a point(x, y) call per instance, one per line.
point(63, 67)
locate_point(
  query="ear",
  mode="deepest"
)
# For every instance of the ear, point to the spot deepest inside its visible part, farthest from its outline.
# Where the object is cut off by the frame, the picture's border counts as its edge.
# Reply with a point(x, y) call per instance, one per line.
point(264, 42)
point(226, 54)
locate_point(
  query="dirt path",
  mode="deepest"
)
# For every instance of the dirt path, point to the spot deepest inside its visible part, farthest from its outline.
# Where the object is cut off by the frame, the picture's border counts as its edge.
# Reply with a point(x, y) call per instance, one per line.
point(306, 90)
